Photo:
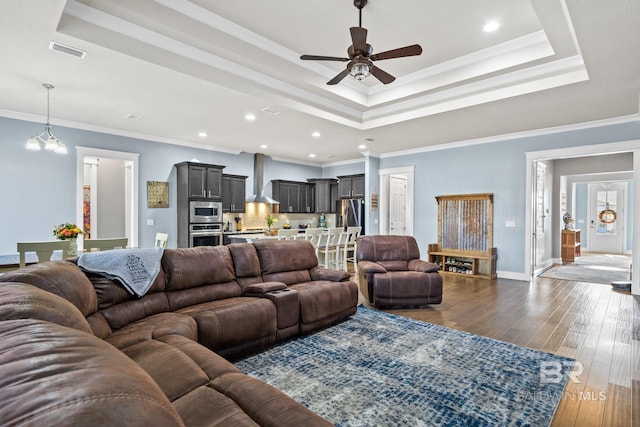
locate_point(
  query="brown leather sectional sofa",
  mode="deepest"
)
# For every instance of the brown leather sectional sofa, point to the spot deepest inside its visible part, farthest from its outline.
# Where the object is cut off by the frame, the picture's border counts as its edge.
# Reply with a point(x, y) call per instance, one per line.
point(65, 337)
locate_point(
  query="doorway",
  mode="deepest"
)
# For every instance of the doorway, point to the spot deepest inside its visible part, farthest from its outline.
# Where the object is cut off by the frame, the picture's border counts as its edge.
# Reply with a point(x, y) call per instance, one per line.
point(397, 204)
point(632, 147)
point(90, 193)
point(606, 217)
point(396, 200)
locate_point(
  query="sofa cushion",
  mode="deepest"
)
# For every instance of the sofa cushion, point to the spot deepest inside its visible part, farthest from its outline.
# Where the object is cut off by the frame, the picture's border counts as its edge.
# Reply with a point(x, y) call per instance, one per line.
point(60, 278)
point(235, 326)
point(246, 264)
point(205, 388)
point(192, 267)
point(22, 301)
point(407, 284)
point(265, 404)
point(120, 315)
point(64, 377)
point(112, 292)
point(388, 248)
point(322, 300)
point(287, 261)
point(155, 326)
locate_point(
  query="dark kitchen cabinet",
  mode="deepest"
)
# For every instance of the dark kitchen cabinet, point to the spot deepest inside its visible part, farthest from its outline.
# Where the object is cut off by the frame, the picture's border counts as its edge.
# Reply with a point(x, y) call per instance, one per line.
point(233, 193)
point(307, 198)
point(325, 194)
point(351, 186)
point(203, 182)
point(294, 197)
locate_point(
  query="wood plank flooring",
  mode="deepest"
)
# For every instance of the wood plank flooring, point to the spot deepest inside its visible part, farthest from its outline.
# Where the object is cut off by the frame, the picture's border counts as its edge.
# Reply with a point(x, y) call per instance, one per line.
point(591, 323)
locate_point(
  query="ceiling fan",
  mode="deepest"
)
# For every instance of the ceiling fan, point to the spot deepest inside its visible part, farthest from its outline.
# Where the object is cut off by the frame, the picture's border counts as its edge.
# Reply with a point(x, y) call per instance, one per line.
point(360, 60)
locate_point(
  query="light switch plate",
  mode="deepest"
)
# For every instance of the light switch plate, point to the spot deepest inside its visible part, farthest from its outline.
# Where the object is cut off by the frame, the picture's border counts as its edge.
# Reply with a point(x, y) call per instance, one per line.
point(510, 224)
point(150, 222)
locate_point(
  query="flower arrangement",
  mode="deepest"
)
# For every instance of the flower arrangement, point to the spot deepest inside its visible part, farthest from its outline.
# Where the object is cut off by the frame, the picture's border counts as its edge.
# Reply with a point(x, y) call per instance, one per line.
point(67, 231)
point(270, 220)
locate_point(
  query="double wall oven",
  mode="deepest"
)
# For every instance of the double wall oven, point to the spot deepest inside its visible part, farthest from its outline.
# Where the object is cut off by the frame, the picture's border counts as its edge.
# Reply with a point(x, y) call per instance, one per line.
point(205, 223)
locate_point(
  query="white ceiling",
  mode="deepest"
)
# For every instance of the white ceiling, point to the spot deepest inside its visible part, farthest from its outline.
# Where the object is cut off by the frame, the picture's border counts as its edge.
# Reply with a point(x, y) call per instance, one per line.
point(185, 66)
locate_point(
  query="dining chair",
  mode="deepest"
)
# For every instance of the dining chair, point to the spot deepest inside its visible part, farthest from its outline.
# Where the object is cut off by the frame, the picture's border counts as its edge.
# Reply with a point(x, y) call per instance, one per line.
point(342, 241)
point(288, 234)
point(315, 236)
point(44, 250)
point(329, 250)
point(161, 240)
point(351, 245)
point(105, 244)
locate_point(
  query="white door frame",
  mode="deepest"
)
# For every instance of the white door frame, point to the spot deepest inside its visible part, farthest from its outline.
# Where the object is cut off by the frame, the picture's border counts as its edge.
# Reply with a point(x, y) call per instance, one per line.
point(131, 192)
point(585, 150)
point(385, 174)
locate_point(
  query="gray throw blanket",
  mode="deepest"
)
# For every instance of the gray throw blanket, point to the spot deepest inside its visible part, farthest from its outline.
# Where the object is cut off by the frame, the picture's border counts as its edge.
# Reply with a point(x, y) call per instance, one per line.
point(135, 268)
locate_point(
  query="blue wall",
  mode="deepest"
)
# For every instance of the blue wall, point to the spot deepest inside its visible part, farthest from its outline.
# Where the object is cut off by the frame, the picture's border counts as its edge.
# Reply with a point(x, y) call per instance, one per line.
point(37, 189)
point(497, 168)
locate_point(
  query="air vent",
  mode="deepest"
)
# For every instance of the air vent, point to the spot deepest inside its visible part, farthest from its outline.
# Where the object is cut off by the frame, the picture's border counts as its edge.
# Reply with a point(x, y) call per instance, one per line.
point(59, 47)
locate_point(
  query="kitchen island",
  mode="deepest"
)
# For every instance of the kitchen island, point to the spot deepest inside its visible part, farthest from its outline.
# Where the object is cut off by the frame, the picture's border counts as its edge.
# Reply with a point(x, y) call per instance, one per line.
point(250, 237)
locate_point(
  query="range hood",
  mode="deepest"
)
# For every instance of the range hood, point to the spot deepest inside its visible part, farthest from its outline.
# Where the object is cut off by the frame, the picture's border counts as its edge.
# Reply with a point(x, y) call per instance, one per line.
point(258, 182)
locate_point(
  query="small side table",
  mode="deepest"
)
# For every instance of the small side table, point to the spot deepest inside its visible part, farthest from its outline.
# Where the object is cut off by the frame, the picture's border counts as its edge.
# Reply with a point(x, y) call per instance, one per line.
point(570, 249)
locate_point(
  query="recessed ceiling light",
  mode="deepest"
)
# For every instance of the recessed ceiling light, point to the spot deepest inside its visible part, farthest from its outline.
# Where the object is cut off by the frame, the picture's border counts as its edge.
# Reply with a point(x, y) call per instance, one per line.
point(202, 134)
point(491, 26)
point(362, 146)
point(250, 117)
point(264, 146)
point(312, 155)
point(316, 134)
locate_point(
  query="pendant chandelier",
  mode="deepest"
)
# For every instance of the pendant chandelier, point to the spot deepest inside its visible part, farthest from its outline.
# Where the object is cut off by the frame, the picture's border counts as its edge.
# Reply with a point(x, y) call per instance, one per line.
point(50, 142)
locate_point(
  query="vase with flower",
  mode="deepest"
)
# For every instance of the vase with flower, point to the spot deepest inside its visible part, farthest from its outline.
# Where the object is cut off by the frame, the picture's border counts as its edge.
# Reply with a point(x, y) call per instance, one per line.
point(270, 220)
point(68, 231)
point(568, 221)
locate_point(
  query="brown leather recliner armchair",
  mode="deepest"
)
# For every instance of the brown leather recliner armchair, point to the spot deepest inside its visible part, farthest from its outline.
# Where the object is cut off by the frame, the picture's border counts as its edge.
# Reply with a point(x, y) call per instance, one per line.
point(393, 275)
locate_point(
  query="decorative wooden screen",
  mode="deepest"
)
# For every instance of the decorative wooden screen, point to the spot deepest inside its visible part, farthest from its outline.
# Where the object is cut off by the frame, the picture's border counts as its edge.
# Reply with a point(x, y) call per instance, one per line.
point(465, 222)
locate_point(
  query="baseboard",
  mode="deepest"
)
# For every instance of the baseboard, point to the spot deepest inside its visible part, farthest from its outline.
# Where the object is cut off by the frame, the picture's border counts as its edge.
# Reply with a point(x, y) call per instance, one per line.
point(512, 275)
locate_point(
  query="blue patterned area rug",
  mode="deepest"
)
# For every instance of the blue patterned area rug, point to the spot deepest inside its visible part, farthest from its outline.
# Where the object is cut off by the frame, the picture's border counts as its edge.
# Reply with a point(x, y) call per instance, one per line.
point(379, 369)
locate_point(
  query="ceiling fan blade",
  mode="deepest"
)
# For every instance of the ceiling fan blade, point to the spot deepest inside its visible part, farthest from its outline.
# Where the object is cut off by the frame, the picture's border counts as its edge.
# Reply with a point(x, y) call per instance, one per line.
point(359, 39)
point(412, 50)
point(323, 58)
point(337, 79)
point(381, 75)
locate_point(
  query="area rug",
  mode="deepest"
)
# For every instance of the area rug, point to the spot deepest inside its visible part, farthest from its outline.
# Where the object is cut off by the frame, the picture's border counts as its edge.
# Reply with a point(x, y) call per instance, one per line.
point(379, 369)
point(587, 273)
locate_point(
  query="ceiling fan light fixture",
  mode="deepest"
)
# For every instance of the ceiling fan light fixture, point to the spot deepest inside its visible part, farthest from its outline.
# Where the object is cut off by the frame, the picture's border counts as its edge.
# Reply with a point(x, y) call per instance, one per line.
point(360, 71)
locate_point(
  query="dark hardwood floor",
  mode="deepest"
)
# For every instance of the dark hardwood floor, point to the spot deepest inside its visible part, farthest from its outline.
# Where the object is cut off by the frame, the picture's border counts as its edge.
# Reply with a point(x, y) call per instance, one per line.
point(591, 323)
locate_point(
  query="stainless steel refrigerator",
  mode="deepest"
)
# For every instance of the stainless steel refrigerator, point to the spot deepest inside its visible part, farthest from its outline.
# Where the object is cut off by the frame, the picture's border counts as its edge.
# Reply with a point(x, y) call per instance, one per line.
point(350, 213)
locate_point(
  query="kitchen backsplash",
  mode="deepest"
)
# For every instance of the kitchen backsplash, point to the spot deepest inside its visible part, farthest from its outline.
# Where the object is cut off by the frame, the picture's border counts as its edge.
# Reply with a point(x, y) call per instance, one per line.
point(256, 213)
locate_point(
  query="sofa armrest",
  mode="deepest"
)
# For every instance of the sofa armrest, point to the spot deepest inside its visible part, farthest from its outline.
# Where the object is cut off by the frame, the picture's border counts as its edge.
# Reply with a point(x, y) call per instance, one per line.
point(323, 273)
point(423, 266)
point(370, 267)
point(259, 289)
